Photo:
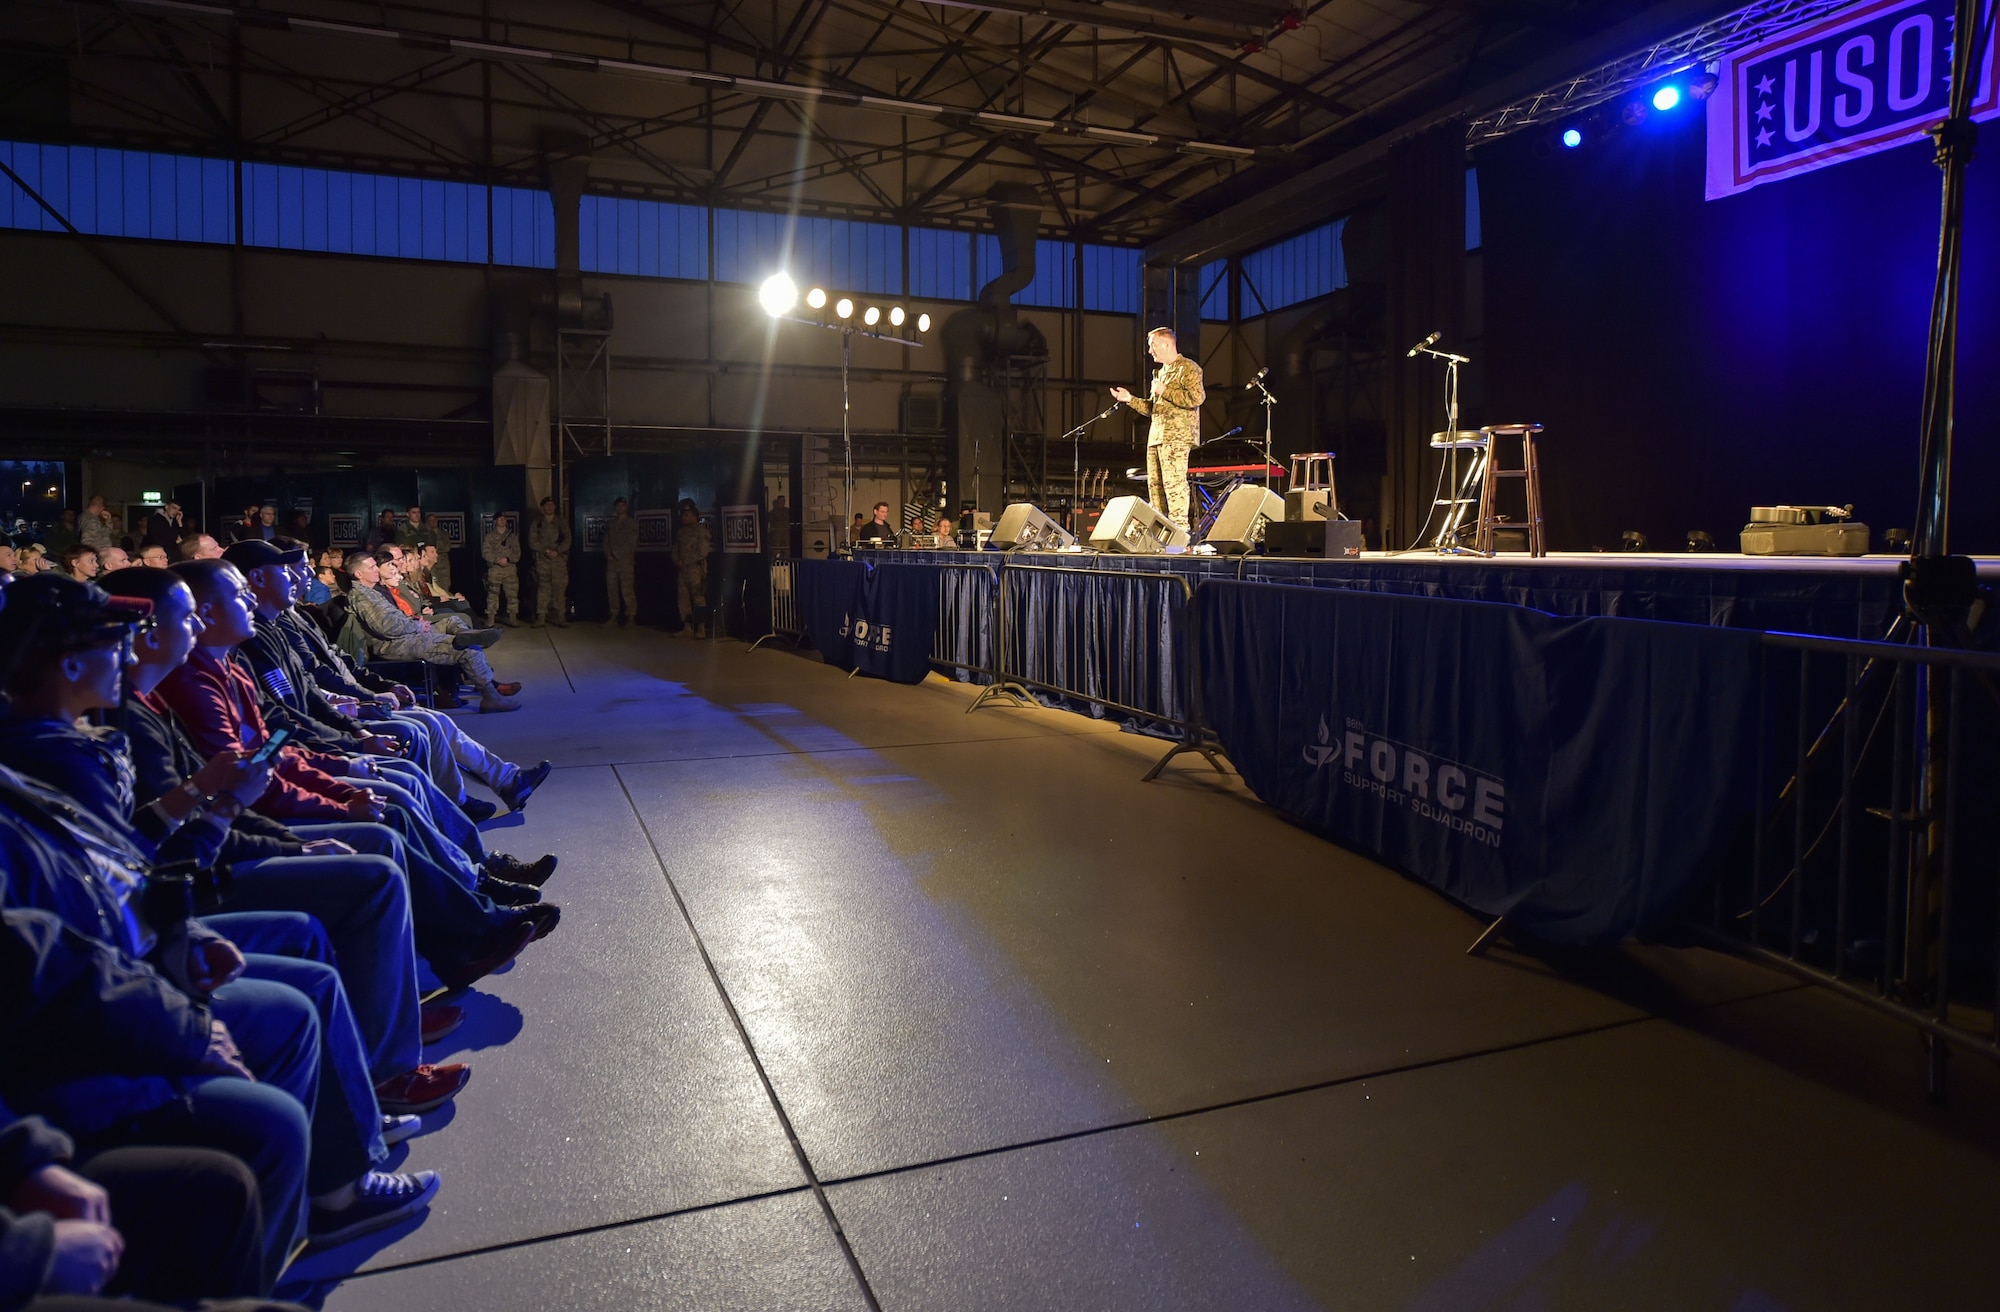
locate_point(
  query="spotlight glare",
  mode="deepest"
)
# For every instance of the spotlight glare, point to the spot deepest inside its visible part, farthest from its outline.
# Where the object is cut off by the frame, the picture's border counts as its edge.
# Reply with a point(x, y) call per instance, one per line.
point(872, 317)
point(1572, 138)
point(778, 295)
point(1666, 98)
point(895, 316)
point(816, 298)
point(923, 323)
point(844, 308)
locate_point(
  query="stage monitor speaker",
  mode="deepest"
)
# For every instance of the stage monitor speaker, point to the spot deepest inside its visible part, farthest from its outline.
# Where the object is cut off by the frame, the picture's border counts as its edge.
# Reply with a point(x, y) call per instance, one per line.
point(1025, 528)
point(1308, 504)
point(1335, 539)
point(1240, 524)
point(1131, 525)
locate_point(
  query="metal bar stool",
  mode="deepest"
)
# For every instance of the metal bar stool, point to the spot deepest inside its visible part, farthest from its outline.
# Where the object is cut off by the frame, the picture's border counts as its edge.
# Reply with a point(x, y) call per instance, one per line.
point(1530, 474)
point(1312, 472)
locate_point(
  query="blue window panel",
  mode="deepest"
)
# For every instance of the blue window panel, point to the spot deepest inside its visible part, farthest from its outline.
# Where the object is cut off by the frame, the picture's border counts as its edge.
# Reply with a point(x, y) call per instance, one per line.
point(1112, 278)
point(363, 214)
point(1300, 268)
point(120, 193)
point(941, 264)
point(524, 228)
point(1473, 236)
point(1054, 284)
point(644, 238)
point(839, 254)
point(1213, 284)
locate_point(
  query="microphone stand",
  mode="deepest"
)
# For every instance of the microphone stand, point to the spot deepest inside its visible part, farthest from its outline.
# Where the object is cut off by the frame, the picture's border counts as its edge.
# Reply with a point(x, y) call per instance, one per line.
point(1270, 404)
point(1075, 438)
point(1445, 541)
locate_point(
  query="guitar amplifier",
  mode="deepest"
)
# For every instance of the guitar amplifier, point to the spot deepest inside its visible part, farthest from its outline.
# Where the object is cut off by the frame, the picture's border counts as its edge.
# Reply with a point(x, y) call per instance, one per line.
point(1335, 539)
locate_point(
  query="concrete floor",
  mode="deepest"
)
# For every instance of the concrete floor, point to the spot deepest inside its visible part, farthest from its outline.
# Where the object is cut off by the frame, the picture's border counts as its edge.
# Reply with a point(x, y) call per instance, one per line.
point(859, 1001)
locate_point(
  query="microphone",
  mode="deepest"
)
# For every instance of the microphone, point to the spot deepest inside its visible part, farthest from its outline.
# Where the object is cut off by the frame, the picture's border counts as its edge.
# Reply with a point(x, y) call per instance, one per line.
point(1428, 341)
point(1256, 378)
point(1231, 433)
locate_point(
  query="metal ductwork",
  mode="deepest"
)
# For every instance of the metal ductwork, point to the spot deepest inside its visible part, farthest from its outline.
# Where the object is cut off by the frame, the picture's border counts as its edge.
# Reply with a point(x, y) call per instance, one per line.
point(983, 345)
point(568, 170)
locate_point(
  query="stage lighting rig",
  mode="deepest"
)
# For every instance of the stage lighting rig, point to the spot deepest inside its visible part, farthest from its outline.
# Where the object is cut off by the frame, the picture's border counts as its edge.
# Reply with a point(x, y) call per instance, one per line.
point(779, 295)
point(1666, 97)
point(1572, 138)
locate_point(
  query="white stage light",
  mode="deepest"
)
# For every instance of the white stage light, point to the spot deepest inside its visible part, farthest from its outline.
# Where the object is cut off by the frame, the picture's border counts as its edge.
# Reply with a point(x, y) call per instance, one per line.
point(872, 317)
point(895, 316)
point(816, 298)
point(778, 295)
point(923, 323)
point(844, 308)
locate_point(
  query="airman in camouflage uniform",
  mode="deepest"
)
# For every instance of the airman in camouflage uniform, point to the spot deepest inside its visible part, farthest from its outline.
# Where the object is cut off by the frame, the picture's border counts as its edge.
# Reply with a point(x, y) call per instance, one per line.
point(549, 539)
point(501, 548)
point(621, 552)
point(1174, 403)
point(691, 547)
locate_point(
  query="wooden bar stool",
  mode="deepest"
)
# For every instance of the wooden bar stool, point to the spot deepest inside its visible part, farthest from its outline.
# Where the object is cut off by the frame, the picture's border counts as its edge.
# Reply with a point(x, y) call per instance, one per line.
point(1528, 471)
point(1312, 473)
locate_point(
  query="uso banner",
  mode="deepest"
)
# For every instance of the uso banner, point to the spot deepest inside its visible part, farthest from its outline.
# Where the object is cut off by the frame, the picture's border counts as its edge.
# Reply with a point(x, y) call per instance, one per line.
point(1867, 78)
point(1581, 776)
point(874, 618)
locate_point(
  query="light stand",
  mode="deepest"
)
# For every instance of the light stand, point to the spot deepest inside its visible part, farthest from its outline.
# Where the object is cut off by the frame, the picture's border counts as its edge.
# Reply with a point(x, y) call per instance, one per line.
point(1270, 404)
point(1075, 439)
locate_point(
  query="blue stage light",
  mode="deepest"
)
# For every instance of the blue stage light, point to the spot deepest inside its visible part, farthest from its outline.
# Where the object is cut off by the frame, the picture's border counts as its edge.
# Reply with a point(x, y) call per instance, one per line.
point(1666, 98)
point(1572, 138)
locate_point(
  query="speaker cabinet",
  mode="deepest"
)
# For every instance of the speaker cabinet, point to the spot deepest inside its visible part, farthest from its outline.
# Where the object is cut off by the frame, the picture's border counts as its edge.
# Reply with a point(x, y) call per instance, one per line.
point(1025, 528)
point(1335, 539)
point(1240, 524)
point(1131, 525)
point(1307, 504)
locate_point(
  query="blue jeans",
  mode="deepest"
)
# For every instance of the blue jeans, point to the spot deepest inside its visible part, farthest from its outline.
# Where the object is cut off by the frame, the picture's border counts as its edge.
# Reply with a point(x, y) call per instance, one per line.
point(455, 825)
point(448, 915)
point(363, 904)
point(288, 947)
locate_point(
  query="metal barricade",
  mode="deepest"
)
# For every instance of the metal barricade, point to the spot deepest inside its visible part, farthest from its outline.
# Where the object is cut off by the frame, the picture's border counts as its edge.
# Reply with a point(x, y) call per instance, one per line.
point(786, 622)
point(967, 627)
point(1118, 672)
point(1860, 876)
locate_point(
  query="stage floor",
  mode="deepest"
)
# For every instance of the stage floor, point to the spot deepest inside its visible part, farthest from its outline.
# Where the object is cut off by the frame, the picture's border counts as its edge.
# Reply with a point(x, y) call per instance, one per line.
point(1048, 1037)
point(1836, 597)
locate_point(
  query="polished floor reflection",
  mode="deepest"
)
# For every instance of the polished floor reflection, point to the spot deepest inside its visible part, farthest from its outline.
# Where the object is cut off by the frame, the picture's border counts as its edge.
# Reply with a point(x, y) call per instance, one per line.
point(860, 1000)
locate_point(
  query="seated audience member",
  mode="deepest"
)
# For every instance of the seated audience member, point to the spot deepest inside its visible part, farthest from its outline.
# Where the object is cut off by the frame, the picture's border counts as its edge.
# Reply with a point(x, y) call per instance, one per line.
point(878, 532)
point(250, 525)
point(408, 595)
point(112, 558)
point(176, 1225)
point(216, 703)
point(64, 646)
point(62, 534)
point(432, 579)
point(154, 556)
point(441, 571)
point(31, 559)
point(393, 630)
point(10, 562)
point(200, 546)
point(80, 562)
point(101, 1032)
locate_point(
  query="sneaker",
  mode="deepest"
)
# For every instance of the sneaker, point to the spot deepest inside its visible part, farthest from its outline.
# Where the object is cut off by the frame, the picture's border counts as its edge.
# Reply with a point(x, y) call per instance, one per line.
point(380, 1199)
point(543, 917)
point(508, 894)
point(498, 947)
point(478, 808)
point(517, 793)
point(516, 871)
point(485, 637)
point(424, 1089)
point(397, 1129)
point(440, 1019)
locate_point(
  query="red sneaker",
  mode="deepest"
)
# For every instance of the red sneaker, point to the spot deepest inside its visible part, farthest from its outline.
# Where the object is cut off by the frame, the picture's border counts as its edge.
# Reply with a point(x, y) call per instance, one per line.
point(424, 1089)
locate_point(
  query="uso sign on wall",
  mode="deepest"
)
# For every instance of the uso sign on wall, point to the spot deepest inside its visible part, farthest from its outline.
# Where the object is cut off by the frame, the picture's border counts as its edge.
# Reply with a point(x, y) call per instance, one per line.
point(1867, 78)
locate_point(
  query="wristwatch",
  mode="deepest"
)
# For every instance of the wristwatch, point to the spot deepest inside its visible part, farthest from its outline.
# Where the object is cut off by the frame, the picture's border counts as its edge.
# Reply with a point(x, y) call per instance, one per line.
point(224, 806)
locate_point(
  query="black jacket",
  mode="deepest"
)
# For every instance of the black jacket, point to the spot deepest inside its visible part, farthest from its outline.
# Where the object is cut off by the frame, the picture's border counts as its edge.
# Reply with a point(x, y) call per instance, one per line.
point(289, 697)
point(162, 759)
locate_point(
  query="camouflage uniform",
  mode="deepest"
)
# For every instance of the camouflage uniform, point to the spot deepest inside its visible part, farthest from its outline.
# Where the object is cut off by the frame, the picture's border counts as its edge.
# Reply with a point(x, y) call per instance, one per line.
point(691, 548)
point(621, 549)
point(496, 547)
point(549, 540)
point(1175, 407)
point(394, 636)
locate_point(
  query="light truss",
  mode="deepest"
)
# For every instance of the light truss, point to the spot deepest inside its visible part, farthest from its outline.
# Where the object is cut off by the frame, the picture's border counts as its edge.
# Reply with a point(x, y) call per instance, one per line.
point(1696, 47)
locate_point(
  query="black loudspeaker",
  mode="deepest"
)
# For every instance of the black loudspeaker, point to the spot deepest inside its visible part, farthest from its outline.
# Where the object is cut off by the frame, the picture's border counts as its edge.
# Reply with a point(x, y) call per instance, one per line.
point(1335, 539)
point(1241, 523)
point(1026, 528)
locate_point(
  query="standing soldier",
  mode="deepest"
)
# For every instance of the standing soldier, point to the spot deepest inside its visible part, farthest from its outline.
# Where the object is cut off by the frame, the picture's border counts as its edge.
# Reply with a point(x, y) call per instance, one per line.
point(413, 534)
point(1174, 405)
point(621, 550)
point(691, 548)
point(501, 548)
point(549, 539)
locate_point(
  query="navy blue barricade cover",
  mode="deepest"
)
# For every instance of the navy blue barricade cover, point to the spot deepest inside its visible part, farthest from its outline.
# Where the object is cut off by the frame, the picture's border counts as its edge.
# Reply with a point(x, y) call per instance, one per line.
point(876, 618)
point(1581, 776)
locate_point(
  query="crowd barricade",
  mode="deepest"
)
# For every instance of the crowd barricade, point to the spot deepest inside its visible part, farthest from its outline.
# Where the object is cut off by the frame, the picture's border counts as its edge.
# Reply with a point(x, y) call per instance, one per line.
point(786, 621)
point(1871, 869)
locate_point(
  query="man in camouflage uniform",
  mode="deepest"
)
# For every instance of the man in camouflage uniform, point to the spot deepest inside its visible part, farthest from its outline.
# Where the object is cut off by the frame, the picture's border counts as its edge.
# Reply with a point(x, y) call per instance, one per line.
point(392, 635)
point(621, 551)
point(1174, 403)
point(549, 539)
point(501, 548)
point(691, 548)
point(413, 535)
